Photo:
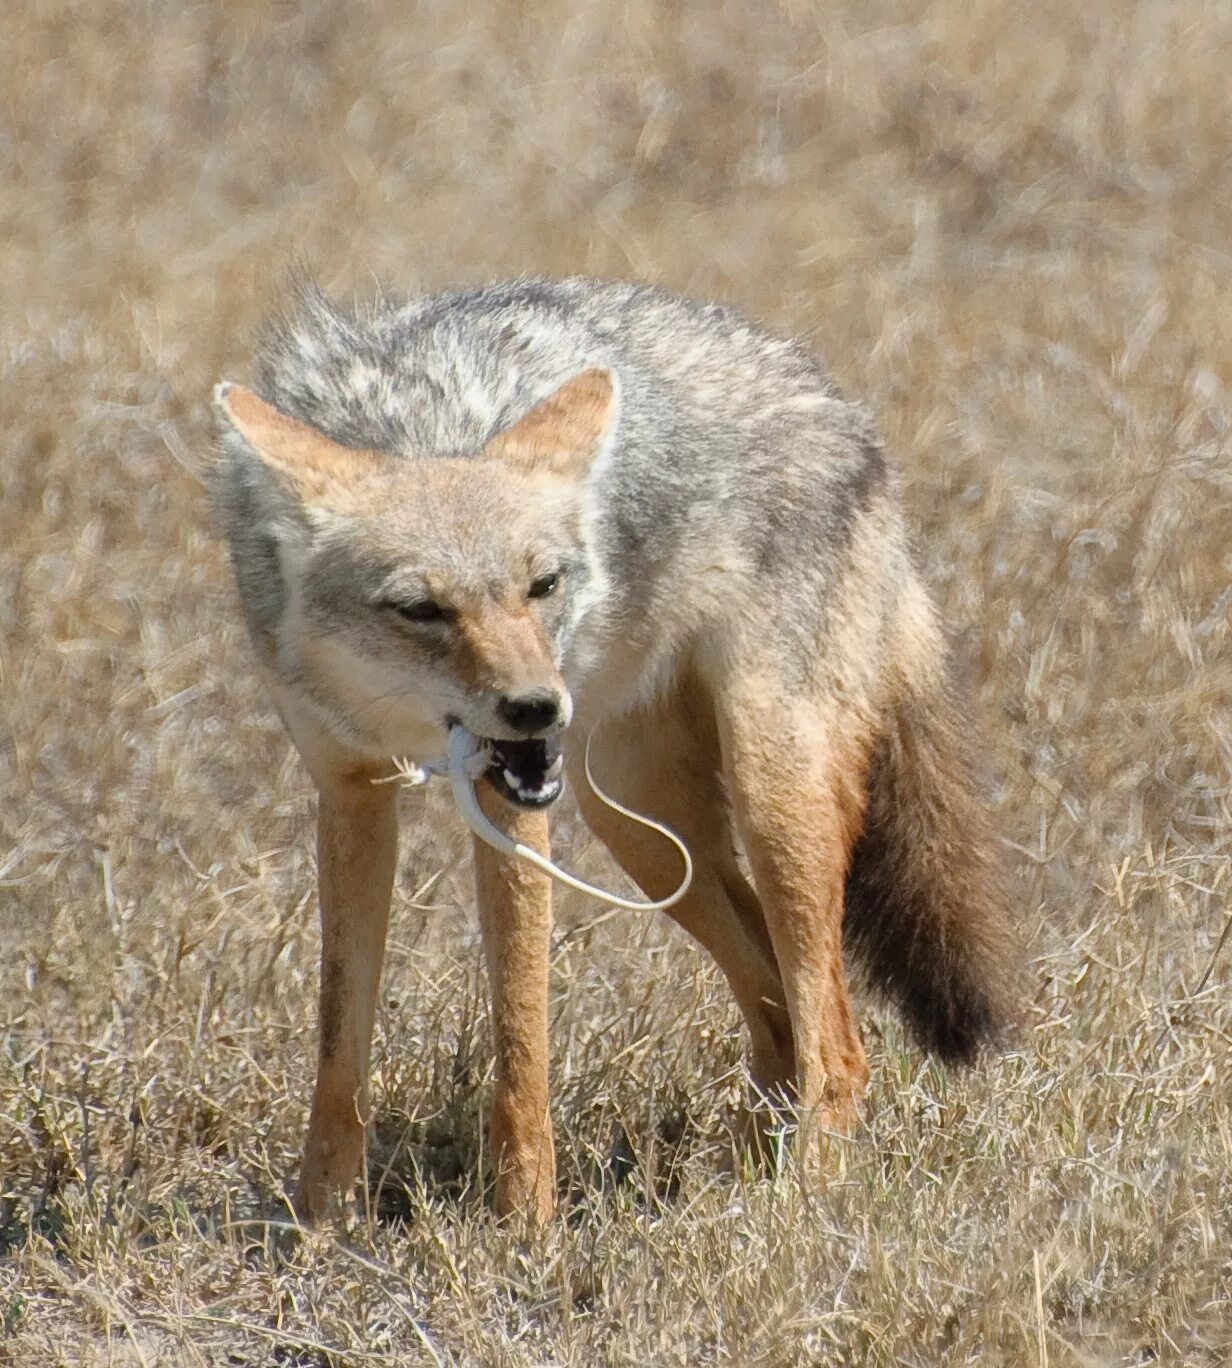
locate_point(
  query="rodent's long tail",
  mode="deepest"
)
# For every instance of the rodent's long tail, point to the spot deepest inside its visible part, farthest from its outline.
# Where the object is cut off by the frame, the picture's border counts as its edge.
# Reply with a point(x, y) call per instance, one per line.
point(926, 907)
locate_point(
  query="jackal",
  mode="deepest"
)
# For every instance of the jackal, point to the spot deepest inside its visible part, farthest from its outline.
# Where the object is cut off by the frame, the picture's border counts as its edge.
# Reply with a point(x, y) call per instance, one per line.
point(548, 510)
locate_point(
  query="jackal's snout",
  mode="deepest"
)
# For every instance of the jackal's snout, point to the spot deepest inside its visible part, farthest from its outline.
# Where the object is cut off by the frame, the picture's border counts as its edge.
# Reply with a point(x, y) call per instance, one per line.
point(532, 711)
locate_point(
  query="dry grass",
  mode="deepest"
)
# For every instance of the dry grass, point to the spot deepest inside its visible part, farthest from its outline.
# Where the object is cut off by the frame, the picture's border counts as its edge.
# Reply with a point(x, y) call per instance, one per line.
point(1009, 227)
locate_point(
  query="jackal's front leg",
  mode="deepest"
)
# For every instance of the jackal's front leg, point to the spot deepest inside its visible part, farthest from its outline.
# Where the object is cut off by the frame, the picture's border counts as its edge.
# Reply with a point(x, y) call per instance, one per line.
point(515, 913)
point(357, 847)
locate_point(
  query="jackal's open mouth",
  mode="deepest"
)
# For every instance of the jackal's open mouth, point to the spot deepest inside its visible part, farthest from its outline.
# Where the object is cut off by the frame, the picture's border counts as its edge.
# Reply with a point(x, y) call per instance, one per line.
point(528, 773)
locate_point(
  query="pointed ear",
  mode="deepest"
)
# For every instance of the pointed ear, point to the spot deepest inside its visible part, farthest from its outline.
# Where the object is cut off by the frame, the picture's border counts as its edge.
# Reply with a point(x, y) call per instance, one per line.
point(563, 433)
point(312, 465)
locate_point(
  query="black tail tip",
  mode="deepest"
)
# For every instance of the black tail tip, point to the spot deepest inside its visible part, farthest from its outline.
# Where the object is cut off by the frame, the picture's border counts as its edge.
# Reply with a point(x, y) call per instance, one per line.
point(962, 1038)
point(960, 1030)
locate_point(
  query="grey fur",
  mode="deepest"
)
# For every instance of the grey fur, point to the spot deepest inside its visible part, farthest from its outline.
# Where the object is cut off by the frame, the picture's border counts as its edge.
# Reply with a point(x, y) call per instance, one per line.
point(740, 521)
point(729, 436)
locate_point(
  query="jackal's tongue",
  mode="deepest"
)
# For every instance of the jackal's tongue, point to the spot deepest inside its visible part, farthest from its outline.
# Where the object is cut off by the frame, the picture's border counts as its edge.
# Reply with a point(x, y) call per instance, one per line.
point(527, 772)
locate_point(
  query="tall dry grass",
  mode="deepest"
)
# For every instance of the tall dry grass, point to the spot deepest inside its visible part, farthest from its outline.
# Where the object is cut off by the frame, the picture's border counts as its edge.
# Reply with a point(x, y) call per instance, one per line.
point(1010, 228)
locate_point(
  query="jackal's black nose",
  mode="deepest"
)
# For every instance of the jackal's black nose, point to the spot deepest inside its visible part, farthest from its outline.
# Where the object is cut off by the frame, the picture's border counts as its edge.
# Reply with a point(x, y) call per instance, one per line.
point(533, 711)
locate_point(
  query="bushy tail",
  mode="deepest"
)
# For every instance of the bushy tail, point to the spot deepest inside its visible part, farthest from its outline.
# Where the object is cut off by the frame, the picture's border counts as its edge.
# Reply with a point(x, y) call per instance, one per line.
point(926, 910)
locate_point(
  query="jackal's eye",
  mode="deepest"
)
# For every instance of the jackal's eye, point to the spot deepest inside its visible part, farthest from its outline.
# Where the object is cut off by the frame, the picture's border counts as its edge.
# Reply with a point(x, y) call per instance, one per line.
point(421, 610)
point(544, 585)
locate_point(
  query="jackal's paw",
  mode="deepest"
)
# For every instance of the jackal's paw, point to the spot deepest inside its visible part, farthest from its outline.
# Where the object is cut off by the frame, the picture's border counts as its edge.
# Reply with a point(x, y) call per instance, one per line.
point(774, 1135)
point(823, 1143)
point(526, 1192)
point(317, 1202)
point(839, 1115)
point(523, 1165)
point(327, 1176)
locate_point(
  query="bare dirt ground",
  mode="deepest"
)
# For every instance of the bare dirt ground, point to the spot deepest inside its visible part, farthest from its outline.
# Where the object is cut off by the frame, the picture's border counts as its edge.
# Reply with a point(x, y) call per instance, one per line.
point(1009, 227)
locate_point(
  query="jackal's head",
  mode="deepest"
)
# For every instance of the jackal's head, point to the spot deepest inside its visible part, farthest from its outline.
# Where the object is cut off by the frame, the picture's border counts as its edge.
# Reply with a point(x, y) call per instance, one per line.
point(397, 595)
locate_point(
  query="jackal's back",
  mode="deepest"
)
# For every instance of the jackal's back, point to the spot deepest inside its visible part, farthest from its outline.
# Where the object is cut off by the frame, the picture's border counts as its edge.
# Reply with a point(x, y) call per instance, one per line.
point(733, 450)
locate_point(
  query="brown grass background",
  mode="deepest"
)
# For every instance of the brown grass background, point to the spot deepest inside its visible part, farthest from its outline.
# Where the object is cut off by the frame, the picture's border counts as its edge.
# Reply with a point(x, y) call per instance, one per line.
point(1009, 227)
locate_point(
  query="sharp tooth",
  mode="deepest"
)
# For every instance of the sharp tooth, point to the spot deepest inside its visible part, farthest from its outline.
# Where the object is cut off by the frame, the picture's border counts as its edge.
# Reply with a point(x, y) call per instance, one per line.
point(512, 780)
point(555, 767)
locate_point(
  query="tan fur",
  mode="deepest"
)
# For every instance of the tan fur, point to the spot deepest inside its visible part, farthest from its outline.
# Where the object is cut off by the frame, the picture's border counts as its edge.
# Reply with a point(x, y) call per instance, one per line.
point(561, 434)
point(781, 946)
point(307, 458)
point(678, 780)
point(796, 775)
point(356, 856)
point(357, 844)
point(502, 648)
point(515, 915)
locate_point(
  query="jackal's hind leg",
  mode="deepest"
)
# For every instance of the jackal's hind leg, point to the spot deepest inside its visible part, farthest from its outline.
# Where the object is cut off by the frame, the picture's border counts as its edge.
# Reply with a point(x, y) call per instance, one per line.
point(796, 774)
point(663, 761)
